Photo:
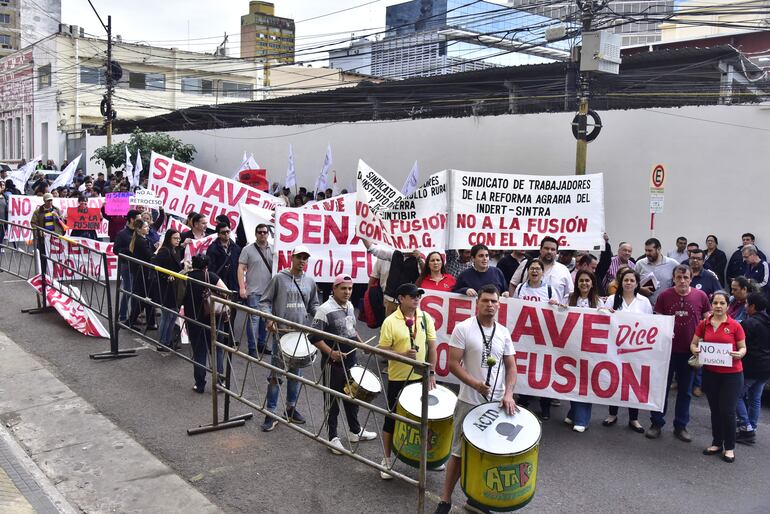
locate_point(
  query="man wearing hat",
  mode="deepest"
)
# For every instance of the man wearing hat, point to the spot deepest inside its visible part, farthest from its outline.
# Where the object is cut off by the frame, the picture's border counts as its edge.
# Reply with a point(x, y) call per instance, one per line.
point(291, 294)
point(408, 332)
point(47, 216)
point(336, 316)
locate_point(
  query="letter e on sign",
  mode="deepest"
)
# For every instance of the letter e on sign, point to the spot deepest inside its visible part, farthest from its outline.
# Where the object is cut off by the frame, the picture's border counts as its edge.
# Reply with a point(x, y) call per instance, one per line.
point(657, 177)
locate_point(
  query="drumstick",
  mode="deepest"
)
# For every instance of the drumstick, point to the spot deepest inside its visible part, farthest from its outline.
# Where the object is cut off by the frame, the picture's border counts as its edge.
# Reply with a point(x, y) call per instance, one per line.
point(365, 342)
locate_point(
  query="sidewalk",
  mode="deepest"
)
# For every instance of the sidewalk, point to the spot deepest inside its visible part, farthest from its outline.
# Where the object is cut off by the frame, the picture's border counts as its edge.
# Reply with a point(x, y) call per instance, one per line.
point(54, 436)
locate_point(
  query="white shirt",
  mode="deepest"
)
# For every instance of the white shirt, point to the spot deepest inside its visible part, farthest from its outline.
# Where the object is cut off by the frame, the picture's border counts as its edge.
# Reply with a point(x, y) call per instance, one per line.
point(557, 276)
point(467, 337)
point(534, 294)
point(678, 256)
point(640, 304)
point(380, 271)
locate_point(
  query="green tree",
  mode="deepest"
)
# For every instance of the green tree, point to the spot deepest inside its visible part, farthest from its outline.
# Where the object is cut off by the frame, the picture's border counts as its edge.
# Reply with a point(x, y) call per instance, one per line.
point(115, 155)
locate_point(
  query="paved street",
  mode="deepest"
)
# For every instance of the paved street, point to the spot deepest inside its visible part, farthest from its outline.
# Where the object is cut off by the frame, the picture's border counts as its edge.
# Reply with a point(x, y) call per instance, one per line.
point(244, 470)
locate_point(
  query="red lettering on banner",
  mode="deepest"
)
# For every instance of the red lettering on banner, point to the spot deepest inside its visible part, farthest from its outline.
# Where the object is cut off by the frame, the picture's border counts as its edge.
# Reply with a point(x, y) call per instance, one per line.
point(312, 229)
point(216, 190)
point(527, 324)
point(442, 359)
point(284, 260)
point(459, 310)
point(529, 240)
point(558, 337)
point(427, 306)
point(286, 220)
point(176, 175)
point(545, 375)
point(562, 371)
point(583, 389)
point(590, 332)
point(614, 379)
point(641, 387)
point(360, 260)
point(234, 197)
point(158, 166)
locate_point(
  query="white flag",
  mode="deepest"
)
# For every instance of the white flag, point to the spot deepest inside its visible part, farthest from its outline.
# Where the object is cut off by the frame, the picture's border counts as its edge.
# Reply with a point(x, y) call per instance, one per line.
point(129, 171)
point(291, 175)
point(248, 163)
point(138, 168)
point(322, 181)
point(335, 186)
point(412, 181)
point(68, 175)
point(21, 175)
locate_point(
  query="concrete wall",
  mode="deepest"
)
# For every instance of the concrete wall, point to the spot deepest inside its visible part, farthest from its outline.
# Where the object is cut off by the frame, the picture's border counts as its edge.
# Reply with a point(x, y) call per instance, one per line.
point(716, 175)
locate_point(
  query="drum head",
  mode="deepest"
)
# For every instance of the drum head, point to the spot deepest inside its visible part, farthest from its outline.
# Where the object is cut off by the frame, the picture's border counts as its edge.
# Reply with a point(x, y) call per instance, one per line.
point(296, 344)
point(491, 430)
point(441, 401)
point(365, 379)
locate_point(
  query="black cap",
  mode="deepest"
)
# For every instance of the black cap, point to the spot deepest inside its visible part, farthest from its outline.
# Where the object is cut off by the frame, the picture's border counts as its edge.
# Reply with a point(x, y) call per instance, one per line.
point(409, 289)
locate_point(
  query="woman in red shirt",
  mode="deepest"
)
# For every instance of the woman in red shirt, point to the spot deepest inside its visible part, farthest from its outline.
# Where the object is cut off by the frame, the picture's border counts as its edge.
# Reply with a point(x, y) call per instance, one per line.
point(434, 275)
point(721, 384)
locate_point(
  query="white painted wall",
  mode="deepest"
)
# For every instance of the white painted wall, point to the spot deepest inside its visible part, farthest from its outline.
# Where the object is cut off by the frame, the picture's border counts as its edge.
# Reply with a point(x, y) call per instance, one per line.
point(714, 156)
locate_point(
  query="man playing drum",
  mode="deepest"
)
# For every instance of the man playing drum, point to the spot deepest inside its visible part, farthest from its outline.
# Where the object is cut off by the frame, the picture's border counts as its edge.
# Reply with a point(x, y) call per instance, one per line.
point(477, 348)
point(291, 294)
point(336, 316)
point(408, 332)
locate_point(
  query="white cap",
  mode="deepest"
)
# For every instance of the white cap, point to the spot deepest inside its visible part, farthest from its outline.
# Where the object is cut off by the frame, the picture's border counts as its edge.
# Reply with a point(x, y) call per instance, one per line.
point(300, 249)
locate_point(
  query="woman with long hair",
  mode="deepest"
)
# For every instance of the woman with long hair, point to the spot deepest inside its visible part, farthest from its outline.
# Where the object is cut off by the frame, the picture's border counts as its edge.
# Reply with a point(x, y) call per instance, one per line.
point(722, 384)
point(168, 257)
point(586, 295)
point(628, 299)
point(139, 248)
point(434, 276)
point(715, 259)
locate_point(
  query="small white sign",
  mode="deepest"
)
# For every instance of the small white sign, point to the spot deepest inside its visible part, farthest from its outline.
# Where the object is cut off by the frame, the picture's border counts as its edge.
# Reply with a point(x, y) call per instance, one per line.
point(146, 198)
point(715, 354)
point(656, 203)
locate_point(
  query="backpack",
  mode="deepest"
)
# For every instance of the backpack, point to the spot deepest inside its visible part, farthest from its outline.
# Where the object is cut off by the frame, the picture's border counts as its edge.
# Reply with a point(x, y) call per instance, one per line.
point(372, 310)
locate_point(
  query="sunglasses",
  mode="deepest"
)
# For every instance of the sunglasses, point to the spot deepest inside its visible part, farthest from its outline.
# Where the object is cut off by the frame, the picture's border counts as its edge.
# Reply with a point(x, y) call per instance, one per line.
point(224, 231)
point(261, 231)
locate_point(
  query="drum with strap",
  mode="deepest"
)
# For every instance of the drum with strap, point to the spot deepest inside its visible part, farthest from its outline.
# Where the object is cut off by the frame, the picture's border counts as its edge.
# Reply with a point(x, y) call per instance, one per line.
point(406, 439)
point(499, 457)
point(363, 384)
point(296, 350)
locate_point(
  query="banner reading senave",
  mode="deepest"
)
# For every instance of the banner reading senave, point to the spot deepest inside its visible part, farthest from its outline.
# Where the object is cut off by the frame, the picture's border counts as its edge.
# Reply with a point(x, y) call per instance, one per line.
point(586, 355)
point(514, 212)
point(184, 188)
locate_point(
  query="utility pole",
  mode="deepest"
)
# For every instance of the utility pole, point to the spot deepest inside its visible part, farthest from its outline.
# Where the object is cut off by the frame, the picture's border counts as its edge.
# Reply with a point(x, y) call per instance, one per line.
point(110, 89)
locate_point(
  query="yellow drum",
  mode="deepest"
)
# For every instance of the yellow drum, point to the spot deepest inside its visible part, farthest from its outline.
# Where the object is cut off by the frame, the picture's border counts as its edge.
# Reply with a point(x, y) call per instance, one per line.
point(499, 457)
point(406, 439)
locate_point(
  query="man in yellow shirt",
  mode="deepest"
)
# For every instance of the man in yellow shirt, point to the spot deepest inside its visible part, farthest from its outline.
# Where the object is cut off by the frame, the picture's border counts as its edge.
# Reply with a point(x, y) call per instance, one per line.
point(411, 333)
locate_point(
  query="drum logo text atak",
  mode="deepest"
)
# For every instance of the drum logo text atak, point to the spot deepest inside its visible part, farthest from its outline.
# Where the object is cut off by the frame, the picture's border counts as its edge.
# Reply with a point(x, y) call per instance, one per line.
point(503, 479)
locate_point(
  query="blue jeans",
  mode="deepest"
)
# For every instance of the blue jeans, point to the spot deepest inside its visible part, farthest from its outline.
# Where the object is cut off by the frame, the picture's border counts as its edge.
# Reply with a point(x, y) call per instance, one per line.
point(252, 301)
point(580, 413)
point(274, 388)
point(166, 328)
point(750, 403)
point(698, 380)
point(127, 285)
point(684, 373)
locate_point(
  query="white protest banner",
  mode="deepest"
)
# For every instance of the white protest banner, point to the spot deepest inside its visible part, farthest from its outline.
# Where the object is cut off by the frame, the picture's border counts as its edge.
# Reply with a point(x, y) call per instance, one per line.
point(385, 216)
point(331, 238)
point(185, 188)
point(252, 216)
point(21, 175)
point(72, 253)
point(77, 316)
point(514, 212)
point(585, 355)
point(145, 198)
point(21, 208)
point(715, 354)
point(198, 246)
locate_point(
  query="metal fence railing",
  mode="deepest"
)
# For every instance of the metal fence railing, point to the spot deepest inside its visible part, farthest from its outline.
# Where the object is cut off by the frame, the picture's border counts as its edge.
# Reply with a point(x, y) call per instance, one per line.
point(248, 379)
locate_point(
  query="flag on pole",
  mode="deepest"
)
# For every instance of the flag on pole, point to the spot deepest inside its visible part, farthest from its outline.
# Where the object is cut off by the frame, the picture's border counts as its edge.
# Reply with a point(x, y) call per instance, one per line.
point(138, 168)
point(335, 186)
point(322, 181)
point(291, 175)
point(412, 181)
point(129, 172)
point(68, 175)
point(21, 175)
point(248, 163)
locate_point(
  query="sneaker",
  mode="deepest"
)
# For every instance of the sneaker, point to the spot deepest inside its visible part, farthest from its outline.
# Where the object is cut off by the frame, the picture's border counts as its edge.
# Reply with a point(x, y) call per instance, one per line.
point(579, 428)
point(363, 435)
point(746, 437)
point(697, 391)
point(683, 435)
point(443, 508)
point(269, 424)
point(568, 421)
point(337, 446)
point(162, 348)
point(438, 468)
point(199, 390)
point(293, 415)
point(653, 432)
point(264, 350)
point(387, 463)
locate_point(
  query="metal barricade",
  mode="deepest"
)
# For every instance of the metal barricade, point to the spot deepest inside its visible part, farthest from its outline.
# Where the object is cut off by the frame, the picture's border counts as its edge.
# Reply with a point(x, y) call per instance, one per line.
point(18, 256)
point(81, 273)
point(244, 374)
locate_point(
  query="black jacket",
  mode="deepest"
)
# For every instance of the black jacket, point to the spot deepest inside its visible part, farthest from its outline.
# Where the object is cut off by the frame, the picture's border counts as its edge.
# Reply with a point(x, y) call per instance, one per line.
point(225, 262)
point(717, 263)
point(736, 264)
point(756, 363)
point(170, 260)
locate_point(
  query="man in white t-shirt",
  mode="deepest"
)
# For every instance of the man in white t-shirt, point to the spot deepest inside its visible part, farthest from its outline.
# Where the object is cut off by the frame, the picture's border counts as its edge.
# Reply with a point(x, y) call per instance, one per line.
point(473, 342)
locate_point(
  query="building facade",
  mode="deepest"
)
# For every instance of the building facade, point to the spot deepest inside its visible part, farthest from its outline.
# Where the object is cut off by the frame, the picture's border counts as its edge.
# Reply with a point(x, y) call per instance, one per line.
point(357, 57)
point(265, 36)
point(51, 91)
point(22, 22)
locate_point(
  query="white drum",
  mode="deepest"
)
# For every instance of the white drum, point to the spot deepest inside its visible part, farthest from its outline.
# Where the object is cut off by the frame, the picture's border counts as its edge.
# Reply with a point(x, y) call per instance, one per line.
point(363, 384)
point(297, 351)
